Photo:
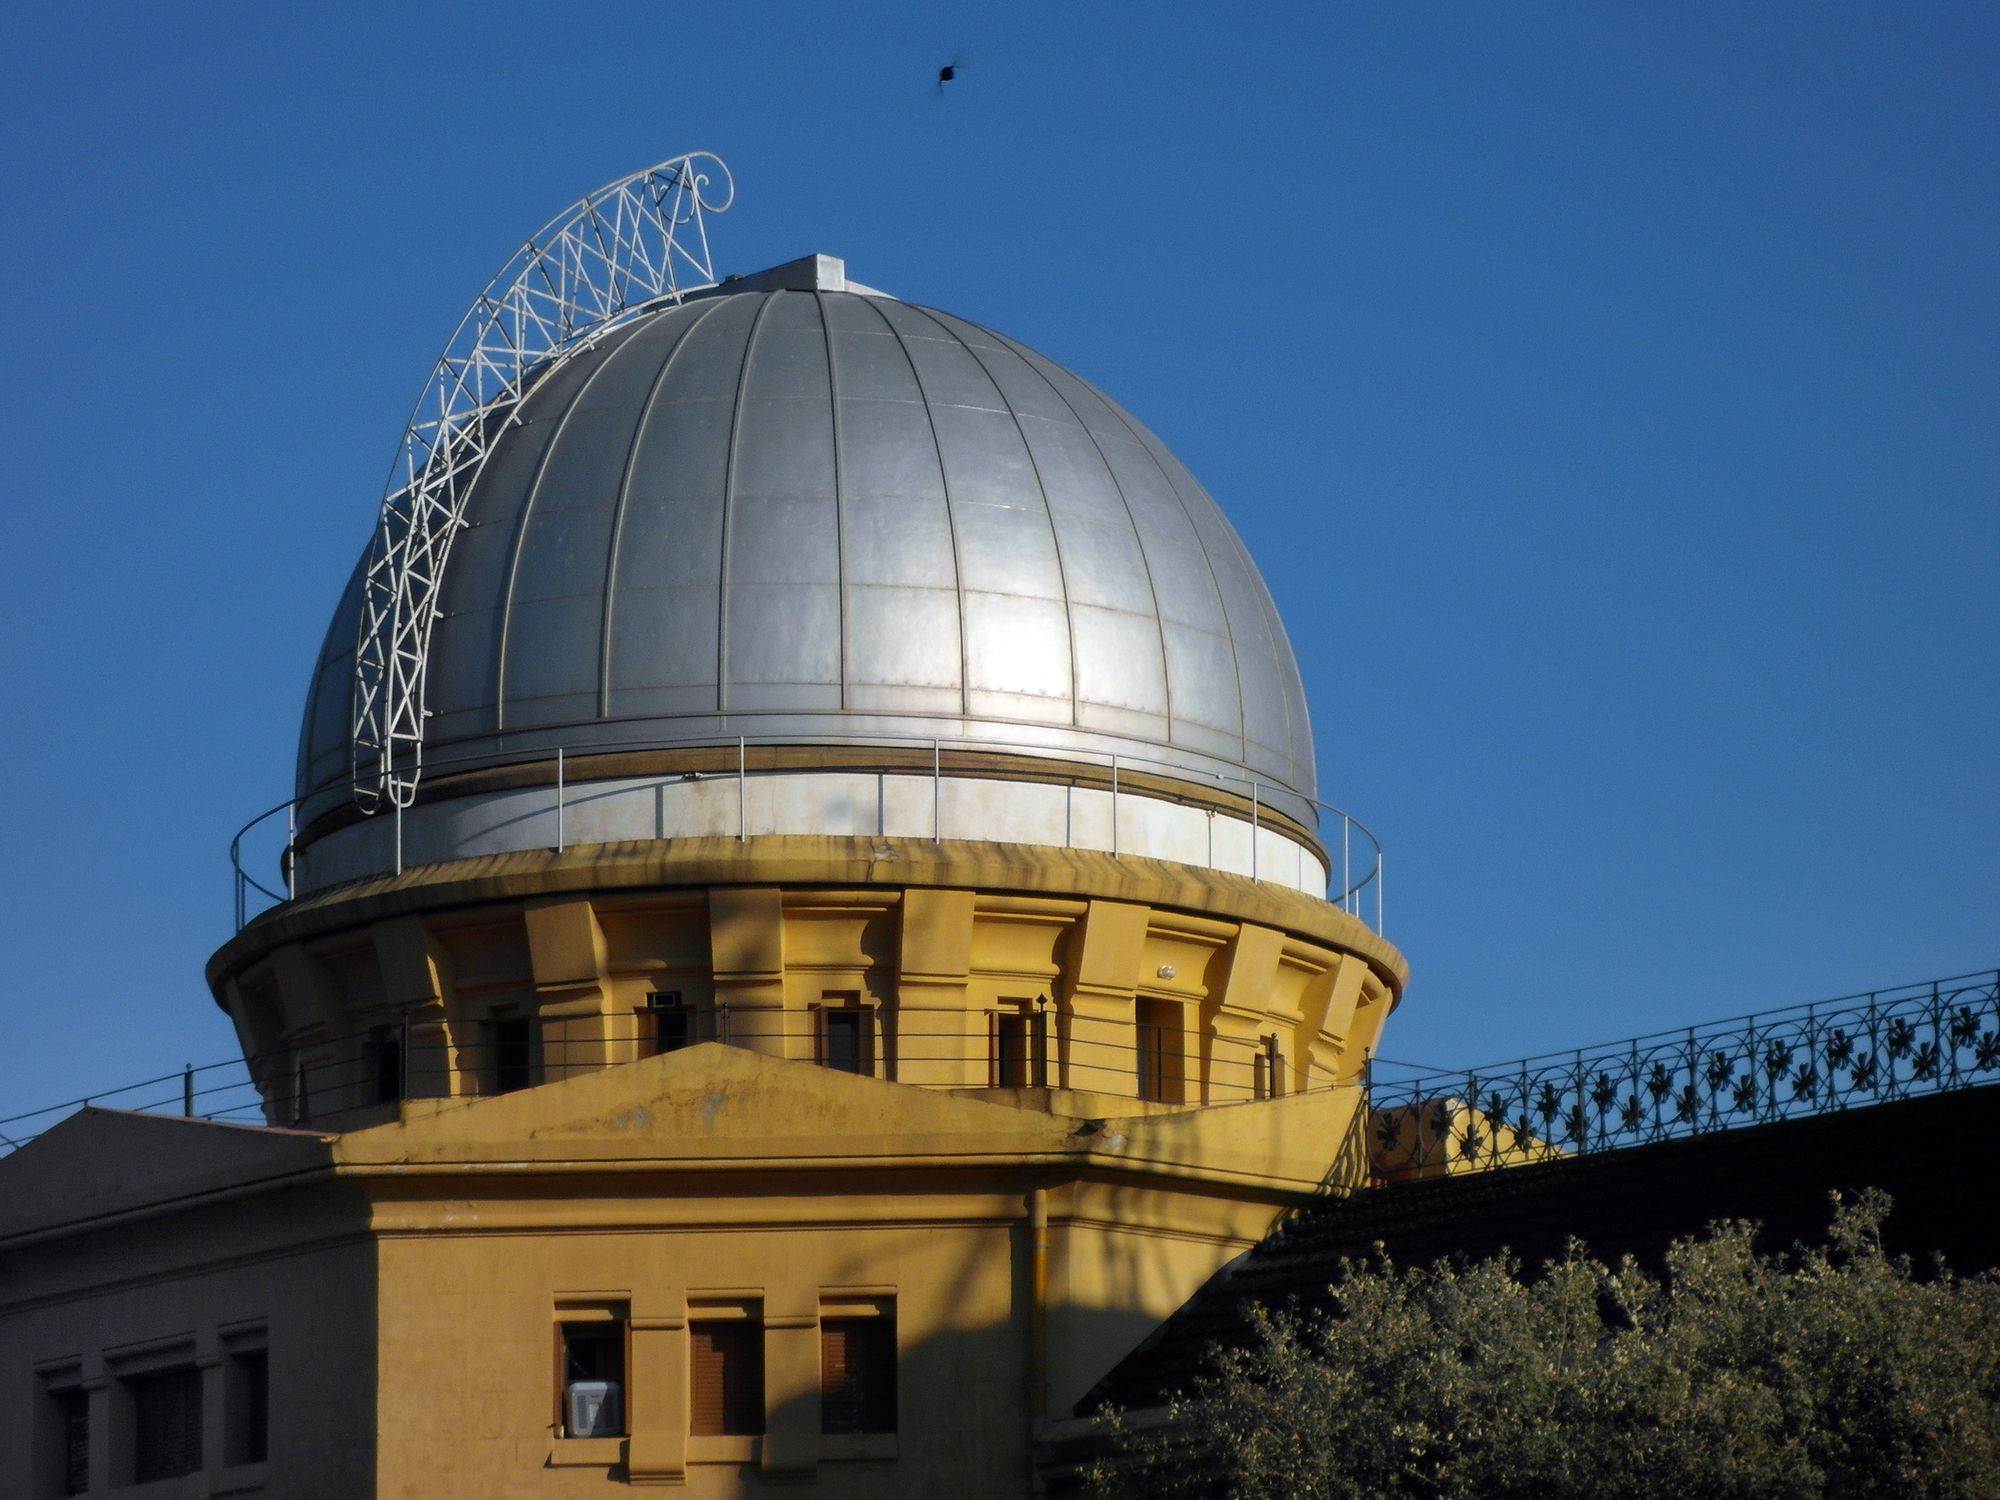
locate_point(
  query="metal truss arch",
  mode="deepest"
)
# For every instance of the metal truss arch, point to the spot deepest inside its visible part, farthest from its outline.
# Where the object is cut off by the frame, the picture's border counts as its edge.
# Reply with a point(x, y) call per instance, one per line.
point(613, 255)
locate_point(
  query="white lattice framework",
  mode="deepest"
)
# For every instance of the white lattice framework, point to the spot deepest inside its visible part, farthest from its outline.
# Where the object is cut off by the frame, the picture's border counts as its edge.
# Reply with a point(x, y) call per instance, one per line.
point(627, 247)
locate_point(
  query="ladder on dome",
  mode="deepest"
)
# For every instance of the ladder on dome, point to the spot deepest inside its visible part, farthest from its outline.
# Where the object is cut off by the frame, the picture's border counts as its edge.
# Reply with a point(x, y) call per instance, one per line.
point(624, 250)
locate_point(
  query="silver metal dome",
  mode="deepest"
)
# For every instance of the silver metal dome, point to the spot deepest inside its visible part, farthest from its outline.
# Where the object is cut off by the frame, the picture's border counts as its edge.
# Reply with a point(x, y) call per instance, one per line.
point(777, 512)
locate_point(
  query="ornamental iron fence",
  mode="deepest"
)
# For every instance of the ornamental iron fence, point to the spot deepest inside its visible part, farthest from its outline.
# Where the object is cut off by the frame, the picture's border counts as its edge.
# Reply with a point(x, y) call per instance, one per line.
point(1774, 1065)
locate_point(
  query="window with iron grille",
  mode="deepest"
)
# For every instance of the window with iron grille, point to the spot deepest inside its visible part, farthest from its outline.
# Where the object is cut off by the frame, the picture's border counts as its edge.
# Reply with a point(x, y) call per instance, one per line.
point(726, 1379)
point(71, 1412)
point(166, 1423)
point(857, 1373)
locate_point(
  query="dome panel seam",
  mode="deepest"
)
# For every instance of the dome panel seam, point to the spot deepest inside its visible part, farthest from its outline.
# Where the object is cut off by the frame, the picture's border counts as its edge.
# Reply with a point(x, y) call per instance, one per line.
point(950, 513)
point(506, 606)
point(839, 491)
point(722, 594)
point(1022, 353)
point(624, 498)
point(1055, 538)
point(1201, 543)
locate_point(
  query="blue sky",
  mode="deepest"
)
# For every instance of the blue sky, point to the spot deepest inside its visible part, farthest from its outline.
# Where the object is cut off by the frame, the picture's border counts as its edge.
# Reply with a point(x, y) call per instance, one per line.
point(1609, 394)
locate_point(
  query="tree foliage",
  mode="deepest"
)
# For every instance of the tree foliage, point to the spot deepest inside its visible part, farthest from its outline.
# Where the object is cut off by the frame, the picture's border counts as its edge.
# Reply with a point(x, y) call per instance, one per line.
point(1832, 1371)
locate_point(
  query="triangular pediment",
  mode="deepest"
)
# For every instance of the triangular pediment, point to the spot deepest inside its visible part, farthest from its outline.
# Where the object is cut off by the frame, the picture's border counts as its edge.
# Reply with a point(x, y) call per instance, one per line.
point(708, 1101)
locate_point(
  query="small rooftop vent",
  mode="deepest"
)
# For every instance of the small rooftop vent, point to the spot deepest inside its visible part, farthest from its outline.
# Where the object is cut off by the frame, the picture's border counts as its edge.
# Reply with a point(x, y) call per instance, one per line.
point(809, 273)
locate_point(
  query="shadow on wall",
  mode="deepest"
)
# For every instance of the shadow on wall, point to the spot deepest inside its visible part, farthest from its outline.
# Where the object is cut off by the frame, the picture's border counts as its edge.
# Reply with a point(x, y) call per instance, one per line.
point(159, 1324)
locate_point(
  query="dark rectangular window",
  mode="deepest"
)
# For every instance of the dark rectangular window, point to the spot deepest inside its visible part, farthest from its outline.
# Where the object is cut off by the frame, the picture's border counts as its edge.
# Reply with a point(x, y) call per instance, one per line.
point(385, 1057)
point(847, 1044)
point(1159, 1050)
point(1010, 1050)
point(166, 1424)
point(73, 1434)
point(247, 1406)
point(857, 1374)
point(667, 1025)
point(726, 1389)
point(593, 1375)
point(512, 1053)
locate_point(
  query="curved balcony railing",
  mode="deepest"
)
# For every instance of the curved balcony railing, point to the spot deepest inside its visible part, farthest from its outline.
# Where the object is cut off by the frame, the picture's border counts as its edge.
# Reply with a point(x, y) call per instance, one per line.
point(268, 841)
point(355, 1079)
point(1776, 1065)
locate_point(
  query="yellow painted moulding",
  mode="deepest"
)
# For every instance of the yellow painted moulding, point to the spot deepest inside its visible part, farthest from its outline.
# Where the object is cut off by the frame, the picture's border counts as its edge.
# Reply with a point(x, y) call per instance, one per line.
point(806, 860)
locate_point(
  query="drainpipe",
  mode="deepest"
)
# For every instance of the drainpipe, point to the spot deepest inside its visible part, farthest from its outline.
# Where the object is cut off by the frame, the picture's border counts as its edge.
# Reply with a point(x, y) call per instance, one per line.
point(1038, 1303)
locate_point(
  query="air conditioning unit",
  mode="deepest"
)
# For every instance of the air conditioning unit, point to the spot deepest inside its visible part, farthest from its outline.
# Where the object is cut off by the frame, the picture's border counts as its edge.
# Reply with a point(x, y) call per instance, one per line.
point(591, 1409)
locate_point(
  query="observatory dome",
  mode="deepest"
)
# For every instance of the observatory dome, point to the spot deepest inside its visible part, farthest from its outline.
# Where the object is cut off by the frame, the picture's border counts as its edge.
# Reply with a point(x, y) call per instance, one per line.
point(786, 512)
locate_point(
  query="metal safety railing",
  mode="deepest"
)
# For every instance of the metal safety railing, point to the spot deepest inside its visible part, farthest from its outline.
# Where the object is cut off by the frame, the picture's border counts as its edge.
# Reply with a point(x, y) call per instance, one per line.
point(1353, 851)
point(1836, 1054)
point(355, 1078)
point(1858, 1050)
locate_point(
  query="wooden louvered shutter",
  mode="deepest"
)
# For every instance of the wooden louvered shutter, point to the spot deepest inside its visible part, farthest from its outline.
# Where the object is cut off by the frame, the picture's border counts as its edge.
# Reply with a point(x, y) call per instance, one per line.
point(166, 1424)
point(726, 1389)
point(857, 1374)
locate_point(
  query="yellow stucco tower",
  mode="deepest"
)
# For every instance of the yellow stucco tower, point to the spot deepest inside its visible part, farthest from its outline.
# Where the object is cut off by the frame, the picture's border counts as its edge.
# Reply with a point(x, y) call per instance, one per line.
point(852, 956)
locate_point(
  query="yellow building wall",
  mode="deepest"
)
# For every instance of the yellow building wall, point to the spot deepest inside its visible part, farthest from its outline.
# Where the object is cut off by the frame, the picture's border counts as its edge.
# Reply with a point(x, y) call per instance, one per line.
point(410, 1294)
point(1029, 1235)
point(468, 1312)
point(718, 1174)
point(471, 1316)
point(1247, 990)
